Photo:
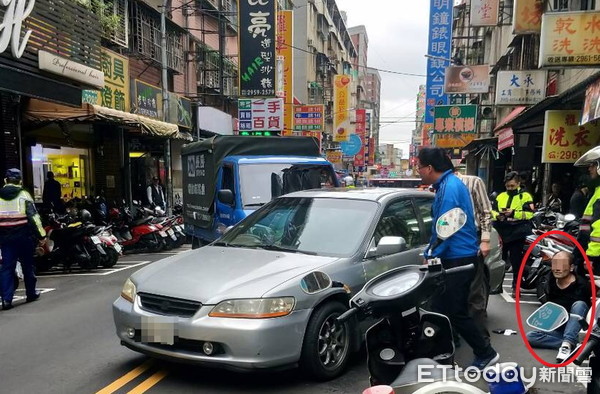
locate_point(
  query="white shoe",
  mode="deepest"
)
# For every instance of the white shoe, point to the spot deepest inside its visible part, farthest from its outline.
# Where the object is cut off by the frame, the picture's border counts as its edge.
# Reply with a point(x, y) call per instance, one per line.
point(563, 353)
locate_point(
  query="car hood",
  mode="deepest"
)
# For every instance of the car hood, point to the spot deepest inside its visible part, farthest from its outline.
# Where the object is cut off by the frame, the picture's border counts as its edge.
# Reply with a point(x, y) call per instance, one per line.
point(212, 274)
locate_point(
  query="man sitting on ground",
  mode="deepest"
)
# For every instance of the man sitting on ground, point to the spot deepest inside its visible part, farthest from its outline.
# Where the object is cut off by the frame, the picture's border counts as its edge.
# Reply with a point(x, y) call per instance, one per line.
point(571, 291)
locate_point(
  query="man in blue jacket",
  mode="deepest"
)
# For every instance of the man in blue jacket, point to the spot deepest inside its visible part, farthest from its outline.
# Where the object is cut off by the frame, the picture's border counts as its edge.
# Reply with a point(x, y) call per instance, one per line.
point(459, 249)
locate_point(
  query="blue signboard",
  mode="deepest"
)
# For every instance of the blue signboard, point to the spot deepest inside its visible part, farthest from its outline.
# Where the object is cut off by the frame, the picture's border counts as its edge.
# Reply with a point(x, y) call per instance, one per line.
point(352, 146)
point(439, 48)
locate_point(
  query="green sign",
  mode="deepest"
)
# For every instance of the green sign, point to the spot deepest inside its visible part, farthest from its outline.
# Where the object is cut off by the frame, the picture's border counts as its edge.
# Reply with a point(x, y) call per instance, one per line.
point(455, 119)
point(259, 133)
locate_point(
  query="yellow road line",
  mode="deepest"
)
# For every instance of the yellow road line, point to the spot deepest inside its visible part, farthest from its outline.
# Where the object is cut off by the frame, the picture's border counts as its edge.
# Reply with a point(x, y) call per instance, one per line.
point(128, 377)
point(148, 383)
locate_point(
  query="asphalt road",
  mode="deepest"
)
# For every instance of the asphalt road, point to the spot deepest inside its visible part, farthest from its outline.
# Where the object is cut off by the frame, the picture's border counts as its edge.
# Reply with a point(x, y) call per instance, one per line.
point(65, 343)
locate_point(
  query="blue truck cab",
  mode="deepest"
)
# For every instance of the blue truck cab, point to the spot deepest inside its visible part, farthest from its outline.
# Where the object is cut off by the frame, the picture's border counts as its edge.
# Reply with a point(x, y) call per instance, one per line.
point(226, 178)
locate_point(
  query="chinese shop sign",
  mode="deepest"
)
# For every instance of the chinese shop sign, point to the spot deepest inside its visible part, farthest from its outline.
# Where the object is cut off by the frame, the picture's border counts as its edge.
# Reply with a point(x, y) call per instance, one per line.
point(520, 87)
point(260, 114)
point(180, 110)
point(455, 125)
point(334, 156)
point(438, 49)
point(564, 140)
point(341, 108)
point(570, 39)
point(484, 12)
point(115, 94)
point(308, 117)
point(361, 118)
point(527, 16)
point(148, 100)
point(467, 79)
point(256, 40)
point(15, 13)
point(285, 65)
point(591, 105)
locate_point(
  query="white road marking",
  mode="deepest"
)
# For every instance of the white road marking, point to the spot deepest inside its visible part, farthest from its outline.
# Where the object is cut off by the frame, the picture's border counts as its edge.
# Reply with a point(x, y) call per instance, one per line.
point(18, 297)
point(99, 271)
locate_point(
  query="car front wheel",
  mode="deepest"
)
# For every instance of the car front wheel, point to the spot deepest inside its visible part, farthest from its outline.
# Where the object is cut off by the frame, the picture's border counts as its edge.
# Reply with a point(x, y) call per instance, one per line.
point(326, 346)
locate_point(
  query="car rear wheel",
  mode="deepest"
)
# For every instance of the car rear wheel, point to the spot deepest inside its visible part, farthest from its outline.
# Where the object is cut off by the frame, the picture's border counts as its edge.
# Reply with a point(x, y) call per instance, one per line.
point(326, 346)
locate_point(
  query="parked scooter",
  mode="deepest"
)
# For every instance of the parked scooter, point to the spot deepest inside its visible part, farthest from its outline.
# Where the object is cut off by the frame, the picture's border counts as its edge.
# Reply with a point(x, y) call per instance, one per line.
point(135, 235)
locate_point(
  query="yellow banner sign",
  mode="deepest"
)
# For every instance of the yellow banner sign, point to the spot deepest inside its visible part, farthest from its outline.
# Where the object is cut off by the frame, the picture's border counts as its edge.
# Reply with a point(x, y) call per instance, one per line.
point(334, 156)
point(570, 39)
point(527, 16)
point(453, 140)
point(116, 94)
point(564, 140)
point(284, 49)
point(341, 108)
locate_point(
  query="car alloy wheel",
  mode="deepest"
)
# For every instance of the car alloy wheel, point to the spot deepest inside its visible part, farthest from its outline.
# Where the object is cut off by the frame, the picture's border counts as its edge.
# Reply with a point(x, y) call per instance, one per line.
point(326, 347)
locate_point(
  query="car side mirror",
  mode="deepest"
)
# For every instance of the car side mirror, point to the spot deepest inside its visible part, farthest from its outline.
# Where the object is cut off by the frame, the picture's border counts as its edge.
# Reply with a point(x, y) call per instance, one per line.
point(387, 245)
point(225, 196)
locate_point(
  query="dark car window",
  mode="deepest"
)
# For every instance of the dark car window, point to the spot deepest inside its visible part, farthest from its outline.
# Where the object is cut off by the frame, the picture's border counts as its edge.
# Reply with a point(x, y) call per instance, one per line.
point(424, 207)
point(399, 220)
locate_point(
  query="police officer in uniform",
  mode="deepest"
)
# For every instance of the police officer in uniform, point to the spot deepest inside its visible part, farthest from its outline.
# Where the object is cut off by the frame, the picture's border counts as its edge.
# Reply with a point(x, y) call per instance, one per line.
point(512, 212)
point(20, 231)
point(589, 229)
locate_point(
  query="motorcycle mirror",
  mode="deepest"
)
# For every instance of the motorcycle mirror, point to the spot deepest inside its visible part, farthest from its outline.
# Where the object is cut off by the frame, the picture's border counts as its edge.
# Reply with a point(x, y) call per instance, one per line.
point(315, 282)
point(548, 317)
point(450, 222)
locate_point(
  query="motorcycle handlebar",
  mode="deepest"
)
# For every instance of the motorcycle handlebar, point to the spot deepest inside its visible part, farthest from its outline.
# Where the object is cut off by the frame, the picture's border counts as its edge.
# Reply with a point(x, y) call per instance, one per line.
point(585, 354)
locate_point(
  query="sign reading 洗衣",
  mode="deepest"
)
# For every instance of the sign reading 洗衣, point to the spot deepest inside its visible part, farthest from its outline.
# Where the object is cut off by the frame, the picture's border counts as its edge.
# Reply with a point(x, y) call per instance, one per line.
point(115, 93)
point(438, 49)
point(520, 87)
point(256, 39)
point(570, 39)
point(15, 13)
point(565, 140)
point(455, 125)
point(69, 69)
point(260, 114)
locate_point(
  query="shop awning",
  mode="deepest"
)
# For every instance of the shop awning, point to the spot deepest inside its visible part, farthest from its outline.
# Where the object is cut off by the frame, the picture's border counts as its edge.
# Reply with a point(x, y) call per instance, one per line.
point(506, 137)
point(39, 111)
point(481, 147)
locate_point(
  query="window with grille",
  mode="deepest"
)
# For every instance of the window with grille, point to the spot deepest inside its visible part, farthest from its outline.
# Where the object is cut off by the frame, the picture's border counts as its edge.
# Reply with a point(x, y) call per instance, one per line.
point(574, 5)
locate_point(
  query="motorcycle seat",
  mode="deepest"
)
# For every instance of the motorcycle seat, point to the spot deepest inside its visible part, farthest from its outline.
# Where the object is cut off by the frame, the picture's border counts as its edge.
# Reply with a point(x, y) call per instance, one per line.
point(141, 221)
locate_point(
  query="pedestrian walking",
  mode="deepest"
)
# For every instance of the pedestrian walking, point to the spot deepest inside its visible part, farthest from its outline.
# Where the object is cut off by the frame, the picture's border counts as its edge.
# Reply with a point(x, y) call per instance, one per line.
point(20, 231)
point(512, 211)
point(51, 195)
point(156, 194)
point(483, 221)
point(460, 249)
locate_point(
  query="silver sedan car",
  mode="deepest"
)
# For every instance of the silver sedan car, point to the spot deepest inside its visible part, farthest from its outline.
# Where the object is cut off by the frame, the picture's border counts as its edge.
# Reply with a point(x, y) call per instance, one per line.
point(260, 297)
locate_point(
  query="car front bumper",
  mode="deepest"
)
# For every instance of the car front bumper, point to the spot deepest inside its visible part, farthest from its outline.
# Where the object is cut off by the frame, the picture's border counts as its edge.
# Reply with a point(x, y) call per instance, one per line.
point(244, 344)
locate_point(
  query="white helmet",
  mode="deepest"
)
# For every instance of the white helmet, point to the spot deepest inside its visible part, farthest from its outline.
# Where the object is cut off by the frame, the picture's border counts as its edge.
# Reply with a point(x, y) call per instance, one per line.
point(590, 157)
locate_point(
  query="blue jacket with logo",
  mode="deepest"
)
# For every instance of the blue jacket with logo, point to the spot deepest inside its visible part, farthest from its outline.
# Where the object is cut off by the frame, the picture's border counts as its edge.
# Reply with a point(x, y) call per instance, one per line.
point(451, 193)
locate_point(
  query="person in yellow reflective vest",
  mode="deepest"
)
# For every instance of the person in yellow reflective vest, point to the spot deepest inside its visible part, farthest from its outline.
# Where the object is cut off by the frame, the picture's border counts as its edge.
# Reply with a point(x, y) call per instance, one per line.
point(589, 228)
point(512, 212)
point(20, 231)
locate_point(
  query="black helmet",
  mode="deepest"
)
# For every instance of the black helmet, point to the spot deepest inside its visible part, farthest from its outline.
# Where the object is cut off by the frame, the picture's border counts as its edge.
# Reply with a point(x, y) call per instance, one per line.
point(85, 215)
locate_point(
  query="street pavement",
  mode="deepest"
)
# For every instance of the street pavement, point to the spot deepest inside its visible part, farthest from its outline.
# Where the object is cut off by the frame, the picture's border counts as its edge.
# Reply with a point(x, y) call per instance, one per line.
point(66, 343)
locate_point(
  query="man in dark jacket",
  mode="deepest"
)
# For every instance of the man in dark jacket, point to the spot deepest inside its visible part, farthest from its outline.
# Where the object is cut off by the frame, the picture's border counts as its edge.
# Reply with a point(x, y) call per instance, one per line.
point(565, 288)
point(52, 193)
point(20, 230)
point(155, 194)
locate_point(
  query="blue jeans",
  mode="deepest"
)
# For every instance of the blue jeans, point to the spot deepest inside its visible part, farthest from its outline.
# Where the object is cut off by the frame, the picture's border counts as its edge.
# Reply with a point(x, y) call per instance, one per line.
point(22, 250)
point(568, 332)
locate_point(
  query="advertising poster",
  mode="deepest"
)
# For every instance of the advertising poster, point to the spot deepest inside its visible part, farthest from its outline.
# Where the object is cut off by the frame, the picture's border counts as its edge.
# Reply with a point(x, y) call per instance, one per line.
point(467, 79)
point(341, 108)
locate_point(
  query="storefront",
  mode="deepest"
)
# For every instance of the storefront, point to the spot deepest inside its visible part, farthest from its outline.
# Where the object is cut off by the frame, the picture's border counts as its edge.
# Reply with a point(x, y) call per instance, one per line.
point(31, 67)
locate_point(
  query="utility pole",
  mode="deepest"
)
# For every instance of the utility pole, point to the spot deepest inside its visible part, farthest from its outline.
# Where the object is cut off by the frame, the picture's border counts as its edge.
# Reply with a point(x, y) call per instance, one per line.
point(165, 100)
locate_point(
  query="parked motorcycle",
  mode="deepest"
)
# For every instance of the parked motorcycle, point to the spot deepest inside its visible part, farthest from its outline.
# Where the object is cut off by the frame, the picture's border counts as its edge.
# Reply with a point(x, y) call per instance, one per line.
point(135, 235)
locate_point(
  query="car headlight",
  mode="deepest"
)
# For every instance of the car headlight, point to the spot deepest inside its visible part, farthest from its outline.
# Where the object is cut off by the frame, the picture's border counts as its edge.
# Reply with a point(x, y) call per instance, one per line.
point(128, 291)
point(259, 308)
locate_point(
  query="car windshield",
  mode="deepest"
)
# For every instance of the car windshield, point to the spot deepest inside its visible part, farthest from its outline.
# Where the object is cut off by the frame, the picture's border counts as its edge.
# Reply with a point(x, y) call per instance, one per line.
point(260, 183)
point(319, 226)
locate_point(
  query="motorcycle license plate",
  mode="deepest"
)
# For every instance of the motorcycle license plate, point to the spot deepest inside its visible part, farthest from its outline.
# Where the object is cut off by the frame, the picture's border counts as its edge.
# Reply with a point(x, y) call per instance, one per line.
point(118, 248)
point(163, 234)
point(179, 228)
point(96, 240)
point(170, 232)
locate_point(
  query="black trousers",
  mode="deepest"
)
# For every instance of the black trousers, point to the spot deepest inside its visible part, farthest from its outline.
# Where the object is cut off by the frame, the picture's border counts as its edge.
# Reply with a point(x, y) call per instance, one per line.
point(513, 253)
point(453, 302)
